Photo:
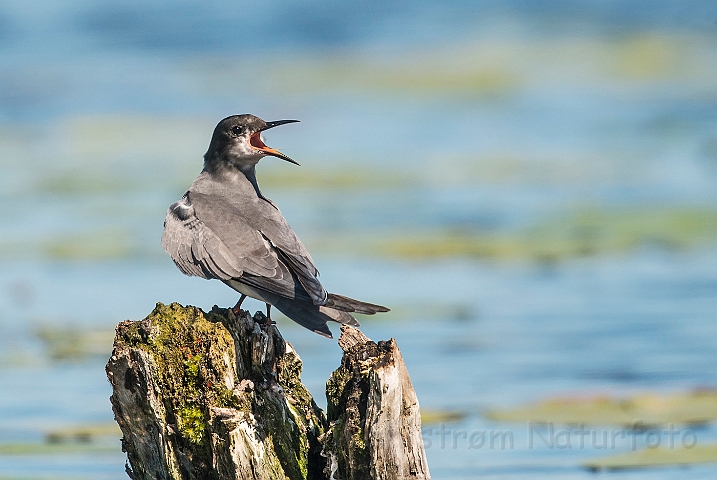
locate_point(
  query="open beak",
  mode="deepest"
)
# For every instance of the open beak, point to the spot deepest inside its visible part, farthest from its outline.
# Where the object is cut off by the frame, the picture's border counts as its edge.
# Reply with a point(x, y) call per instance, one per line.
point(256, 142)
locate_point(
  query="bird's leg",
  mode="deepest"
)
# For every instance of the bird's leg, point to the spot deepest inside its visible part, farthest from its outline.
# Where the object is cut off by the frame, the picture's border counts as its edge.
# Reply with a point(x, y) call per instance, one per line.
point(268, 315)
point(236, 308)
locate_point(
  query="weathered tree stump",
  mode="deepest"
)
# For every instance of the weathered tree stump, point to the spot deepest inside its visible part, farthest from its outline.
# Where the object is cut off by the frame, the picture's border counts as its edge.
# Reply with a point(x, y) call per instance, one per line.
point(375, 422)
point(219, 396)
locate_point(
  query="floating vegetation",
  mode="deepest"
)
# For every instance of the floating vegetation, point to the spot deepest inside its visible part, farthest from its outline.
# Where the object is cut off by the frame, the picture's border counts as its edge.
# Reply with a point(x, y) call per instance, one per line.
point(585, 232)
point(431, 74)
point(72, 440)
point(431, 417)
point(340, 178)
point(639, 411)
point(75, 440)
point(488, 69)
point(56, 448)
point(655, 457)
point(83, 181)
point(83, 433)
point(75, 343)
point(476, 80)
point(581, 234)
point(99, 245)
point(459, 312)
point(647, 57)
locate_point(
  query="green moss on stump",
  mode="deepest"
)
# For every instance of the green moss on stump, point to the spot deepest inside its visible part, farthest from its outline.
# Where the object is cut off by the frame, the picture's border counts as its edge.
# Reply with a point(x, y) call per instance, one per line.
point(347, 392)
point(201, 364)
point(192, 423)
point(189, 354)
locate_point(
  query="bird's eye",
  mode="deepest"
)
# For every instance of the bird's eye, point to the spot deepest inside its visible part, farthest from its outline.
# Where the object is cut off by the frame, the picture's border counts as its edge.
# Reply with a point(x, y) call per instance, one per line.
point(237, 130)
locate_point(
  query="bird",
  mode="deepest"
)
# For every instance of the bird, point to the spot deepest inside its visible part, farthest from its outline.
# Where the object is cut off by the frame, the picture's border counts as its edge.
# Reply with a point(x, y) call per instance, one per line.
point(224, 228)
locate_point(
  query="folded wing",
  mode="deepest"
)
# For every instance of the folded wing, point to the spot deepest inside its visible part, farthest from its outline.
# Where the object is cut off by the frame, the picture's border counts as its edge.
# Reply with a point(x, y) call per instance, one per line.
point(215, 242)
point(294, 274)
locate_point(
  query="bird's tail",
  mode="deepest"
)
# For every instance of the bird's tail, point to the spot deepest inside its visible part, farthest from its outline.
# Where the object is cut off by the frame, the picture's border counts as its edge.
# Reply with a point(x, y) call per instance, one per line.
point(313, 317)
point(346, 304)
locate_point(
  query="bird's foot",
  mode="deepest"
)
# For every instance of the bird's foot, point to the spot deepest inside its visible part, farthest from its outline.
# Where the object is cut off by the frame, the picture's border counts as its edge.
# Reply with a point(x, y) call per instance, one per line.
point(269, 321)
point(262, 319)
point(237, 308)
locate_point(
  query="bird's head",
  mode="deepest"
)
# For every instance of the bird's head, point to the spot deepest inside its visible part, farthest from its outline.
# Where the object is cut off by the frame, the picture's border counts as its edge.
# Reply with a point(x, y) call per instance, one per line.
point(237, 140)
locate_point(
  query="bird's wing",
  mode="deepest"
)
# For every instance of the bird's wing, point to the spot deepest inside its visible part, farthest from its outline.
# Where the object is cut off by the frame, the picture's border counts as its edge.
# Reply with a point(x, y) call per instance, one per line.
point(197, 250)
point(291, 251)
point(221, 215)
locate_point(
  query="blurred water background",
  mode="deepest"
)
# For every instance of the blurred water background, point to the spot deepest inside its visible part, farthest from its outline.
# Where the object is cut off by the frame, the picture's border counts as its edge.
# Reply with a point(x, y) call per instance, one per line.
point(528, 184)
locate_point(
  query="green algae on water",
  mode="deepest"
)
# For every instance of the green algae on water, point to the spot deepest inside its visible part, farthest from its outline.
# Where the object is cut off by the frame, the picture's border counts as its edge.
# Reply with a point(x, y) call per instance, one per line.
point(656, 457)
point(429, 416)
point(637, 411)
point(73, 342)
point(580, 234)
point(105, 244)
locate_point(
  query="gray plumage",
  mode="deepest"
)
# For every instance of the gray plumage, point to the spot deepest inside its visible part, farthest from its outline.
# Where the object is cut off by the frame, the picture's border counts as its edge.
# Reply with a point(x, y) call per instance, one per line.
point(224, 228)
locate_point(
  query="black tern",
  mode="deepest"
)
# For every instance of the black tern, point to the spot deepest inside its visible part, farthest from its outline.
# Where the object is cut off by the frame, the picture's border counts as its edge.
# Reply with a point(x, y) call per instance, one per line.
point(224, 228)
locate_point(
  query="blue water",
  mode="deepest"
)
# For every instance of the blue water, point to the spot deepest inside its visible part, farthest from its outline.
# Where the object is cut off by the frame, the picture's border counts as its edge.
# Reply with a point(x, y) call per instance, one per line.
point(106, 109)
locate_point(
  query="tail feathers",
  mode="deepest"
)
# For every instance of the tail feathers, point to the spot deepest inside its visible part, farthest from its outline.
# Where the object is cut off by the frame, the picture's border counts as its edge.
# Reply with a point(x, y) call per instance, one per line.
point(313, 317)
point(339, 316)
point(346, 304)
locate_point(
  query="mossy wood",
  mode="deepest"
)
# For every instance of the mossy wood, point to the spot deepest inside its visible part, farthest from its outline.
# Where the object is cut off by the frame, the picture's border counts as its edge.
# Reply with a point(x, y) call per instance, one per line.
point(212, 396)
point(375, 422)
point(217, 396)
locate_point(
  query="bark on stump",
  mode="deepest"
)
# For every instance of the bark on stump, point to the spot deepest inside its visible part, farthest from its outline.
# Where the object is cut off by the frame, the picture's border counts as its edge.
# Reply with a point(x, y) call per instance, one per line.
point(217, 396)
point(375, 422)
